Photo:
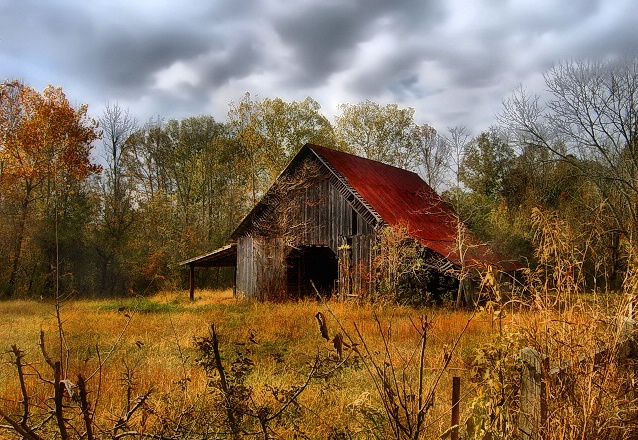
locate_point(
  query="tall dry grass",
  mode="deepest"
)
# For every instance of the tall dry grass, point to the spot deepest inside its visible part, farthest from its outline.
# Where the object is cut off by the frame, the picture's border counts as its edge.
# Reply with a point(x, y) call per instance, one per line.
point(576, 330)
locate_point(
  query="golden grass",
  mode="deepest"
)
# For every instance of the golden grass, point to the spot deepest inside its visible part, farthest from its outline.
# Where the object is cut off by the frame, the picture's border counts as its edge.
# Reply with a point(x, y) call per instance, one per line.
point(154, 337)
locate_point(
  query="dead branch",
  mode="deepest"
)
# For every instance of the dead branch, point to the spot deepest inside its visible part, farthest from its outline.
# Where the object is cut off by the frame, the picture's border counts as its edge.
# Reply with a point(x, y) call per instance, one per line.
point(338, 344)
point(21, 427)
point(86, 407)
point(57, 399)
point(44, 351)
point(234, 426)
point(119, 338)
point(25, 433)
point(424, 337)
point(298, 391)
point(23, 387)
point(122, 422)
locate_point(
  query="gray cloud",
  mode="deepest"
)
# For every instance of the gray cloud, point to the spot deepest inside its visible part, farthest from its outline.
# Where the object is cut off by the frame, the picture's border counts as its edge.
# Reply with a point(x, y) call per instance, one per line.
point(325, 36)
point(452, 60)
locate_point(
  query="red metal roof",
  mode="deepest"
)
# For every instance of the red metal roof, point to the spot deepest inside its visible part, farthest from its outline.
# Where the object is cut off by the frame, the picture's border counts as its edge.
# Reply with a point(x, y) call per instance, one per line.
point(401, 197)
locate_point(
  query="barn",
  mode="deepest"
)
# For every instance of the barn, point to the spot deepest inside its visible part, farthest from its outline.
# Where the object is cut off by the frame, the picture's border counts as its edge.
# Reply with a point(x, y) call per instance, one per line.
point(320, 222)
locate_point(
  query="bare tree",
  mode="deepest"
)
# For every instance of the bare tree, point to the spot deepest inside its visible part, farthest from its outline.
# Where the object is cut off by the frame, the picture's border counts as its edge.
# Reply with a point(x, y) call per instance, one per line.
point(117, 214)
point(458, 140)
point(589, 120)
point(434, 157)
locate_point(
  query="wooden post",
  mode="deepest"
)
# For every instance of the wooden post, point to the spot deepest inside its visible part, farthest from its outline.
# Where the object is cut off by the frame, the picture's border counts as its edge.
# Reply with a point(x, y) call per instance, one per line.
point(235, 281)
point(191, 282)
point(545, 380)
point(456, 397)
point(626, 343)
point(530, 418)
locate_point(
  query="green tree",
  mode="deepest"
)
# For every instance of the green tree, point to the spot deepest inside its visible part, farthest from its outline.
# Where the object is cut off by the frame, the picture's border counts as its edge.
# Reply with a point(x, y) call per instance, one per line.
point(486, 162)
point(270, 132)
point(386, 134)
point(189, 184)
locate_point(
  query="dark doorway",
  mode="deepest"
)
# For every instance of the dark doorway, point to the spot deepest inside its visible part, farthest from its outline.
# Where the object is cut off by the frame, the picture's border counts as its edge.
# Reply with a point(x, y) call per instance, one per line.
point(316, 263)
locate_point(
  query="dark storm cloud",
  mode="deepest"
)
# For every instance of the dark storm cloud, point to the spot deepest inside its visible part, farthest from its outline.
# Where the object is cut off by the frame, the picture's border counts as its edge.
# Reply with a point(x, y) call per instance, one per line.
point(128, 59)
point(237, 60)
point(453, 60)
point(324, 36)
point(110, 48)
point(216, 41)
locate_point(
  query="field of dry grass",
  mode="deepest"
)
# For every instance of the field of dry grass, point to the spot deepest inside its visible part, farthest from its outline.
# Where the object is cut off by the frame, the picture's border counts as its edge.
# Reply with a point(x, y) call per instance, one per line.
point(154, 339)
point(127, 347)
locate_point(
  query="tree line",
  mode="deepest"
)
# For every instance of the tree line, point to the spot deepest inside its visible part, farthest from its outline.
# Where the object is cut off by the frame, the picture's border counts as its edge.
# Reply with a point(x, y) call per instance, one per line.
point(109, 206)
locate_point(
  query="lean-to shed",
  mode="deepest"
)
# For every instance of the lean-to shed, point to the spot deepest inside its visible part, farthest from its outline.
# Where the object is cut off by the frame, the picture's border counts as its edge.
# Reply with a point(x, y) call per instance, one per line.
point(321, 219)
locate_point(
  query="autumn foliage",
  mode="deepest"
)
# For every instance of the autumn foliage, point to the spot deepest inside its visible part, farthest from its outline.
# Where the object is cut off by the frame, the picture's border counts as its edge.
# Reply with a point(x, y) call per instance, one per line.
point(45, 149)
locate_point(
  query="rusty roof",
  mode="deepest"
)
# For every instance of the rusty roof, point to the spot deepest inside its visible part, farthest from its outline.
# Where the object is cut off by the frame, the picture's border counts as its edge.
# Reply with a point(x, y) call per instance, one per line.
point(402, 198)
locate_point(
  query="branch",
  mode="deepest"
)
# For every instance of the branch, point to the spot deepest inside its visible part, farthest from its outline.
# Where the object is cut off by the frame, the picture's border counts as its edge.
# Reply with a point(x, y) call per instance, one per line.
point(23, 387)
point(224, 385)
point(25, 433)
point(57, 399)
point(45, 355)
point(292, 398)
point(421, 414)
point(121, 423)
point(86, 407)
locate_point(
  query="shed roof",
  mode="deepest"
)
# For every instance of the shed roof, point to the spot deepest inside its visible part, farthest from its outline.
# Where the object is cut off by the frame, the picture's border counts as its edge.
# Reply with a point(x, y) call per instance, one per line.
point(225, 256)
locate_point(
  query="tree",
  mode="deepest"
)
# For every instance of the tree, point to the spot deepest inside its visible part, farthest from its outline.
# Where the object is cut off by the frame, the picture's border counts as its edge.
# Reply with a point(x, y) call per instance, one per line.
point(590, 120)
point(117, 188)
point(270, 132)
point(458, 140)
point(45, 148)
point(188, 194)
point(434, 157)
point(386, 134)
point(486, 163)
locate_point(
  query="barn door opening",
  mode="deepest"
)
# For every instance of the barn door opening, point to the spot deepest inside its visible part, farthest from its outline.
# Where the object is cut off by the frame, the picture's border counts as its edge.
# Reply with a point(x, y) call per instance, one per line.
point(306, 263)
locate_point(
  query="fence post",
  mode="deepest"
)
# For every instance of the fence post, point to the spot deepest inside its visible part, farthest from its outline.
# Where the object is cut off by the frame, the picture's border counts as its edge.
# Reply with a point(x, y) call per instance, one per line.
point(530, 417)
point(456, 397)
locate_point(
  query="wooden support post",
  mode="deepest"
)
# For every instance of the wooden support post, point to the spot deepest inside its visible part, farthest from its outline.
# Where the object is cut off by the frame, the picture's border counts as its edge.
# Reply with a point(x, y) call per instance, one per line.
point(235, 281)
point(530, 418)
point(191, 282)
point(456, 397)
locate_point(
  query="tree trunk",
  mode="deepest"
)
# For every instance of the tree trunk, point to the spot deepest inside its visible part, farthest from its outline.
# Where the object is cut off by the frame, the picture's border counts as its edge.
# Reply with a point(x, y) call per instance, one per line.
point(17, 250)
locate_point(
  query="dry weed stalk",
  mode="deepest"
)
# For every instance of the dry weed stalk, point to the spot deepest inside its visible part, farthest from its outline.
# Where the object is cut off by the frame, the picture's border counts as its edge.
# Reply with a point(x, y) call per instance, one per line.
point(238, 400)
point(589, 391)
point(399, 379)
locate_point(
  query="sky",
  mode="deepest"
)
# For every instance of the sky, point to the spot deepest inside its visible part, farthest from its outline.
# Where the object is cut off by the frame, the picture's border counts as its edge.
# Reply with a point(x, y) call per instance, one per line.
point(453, 61)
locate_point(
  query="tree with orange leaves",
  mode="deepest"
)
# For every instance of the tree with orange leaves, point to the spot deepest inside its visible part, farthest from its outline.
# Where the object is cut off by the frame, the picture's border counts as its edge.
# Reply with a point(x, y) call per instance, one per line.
point(45, 148)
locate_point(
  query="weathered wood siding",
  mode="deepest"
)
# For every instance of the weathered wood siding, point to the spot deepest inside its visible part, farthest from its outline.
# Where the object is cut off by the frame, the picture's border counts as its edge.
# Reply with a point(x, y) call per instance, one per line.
point(261, 267)
point(318, 214)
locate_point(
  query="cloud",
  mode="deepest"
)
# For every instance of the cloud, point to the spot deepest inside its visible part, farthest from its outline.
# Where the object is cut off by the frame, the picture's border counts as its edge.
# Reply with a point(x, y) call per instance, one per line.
point(454, 61)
